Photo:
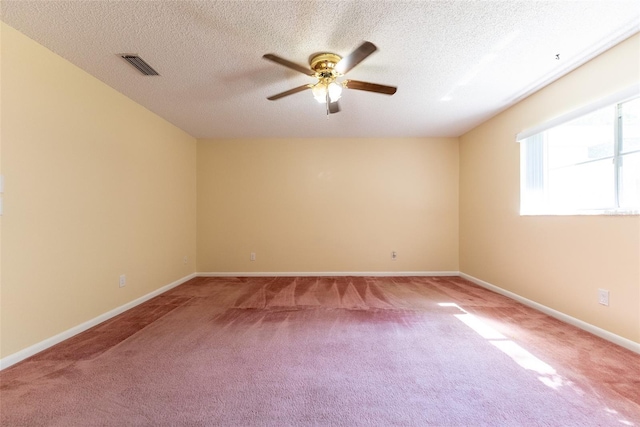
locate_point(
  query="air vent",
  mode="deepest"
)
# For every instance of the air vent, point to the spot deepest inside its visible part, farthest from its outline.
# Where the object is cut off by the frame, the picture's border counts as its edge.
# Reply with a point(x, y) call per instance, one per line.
point(140, 64)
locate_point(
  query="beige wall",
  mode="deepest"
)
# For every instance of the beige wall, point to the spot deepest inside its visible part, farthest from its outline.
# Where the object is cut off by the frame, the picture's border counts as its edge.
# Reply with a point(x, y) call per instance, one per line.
point(556, 261)
point(1, 195)
point(96, 186)
point(328, 205)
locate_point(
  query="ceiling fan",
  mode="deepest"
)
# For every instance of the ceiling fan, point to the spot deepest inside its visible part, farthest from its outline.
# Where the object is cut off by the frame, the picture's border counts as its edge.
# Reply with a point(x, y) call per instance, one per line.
point(327, 68)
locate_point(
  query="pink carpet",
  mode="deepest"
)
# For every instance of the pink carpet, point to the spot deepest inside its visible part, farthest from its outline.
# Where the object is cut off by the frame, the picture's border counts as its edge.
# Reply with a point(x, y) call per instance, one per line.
point(340, 351)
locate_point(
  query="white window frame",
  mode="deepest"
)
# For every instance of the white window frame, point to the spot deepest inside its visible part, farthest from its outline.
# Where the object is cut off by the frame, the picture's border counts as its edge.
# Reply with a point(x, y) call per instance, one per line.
point(539, 207)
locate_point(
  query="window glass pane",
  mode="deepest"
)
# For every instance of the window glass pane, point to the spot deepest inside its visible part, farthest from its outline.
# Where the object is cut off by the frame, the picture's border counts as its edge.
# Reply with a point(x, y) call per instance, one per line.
point(586, 186)
point(586, 138)
point(630, 126)
point(630, 181)
point(532, 170)
point(533, 173)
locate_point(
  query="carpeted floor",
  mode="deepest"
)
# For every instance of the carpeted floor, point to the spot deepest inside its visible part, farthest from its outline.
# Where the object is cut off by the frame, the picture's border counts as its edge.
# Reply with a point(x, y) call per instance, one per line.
point(340, 351)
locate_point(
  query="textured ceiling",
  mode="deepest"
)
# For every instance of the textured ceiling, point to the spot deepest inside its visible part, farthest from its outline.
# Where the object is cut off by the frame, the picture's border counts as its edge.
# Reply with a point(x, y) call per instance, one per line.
point(455, 63)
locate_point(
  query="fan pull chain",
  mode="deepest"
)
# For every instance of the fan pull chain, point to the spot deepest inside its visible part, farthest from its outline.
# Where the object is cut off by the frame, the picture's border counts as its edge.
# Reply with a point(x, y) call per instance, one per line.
point(327, 103)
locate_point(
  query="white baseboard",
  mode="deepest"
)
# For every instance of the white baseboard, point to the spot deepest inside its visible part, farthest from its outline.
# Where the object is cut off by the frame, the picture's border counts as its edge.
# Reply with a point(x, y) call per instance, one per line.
point(329, 274)
point(609, 336)
point(14, 358)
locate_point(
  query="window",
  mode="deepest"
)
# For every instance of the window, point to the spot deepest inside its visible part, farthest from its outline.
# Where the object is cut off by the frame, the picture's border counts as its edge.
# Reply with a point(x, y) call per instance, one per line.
point(585, 162)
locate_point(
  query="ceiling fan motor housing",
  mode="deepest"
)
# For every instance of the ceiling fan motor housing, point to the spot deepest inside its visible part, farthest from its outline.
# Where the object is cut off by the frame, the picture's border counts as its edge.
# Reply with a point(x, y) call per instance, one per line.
point(324, 65)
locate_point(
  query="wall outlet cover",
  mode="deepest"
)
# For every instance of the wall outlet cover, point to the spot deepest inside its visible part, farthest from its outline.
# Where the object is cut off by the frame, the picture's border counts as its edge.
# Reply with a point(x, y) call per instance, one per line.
point(603, 296)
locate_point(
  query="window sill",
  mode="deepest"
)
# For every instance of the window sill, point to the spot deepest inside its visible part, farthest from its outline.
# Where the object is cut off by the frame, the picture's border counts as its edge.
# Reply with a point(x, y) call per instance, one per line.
point(603, 212)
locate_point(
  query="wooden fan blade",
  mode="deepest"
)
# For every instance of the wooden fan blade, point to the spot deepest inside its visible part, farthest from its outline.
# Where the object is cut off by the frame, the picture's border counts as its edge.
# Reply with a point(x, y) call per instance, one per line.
point(289, 64)
point(370, 87)
point(332, 107)
point(355, 57)
point(289, 92)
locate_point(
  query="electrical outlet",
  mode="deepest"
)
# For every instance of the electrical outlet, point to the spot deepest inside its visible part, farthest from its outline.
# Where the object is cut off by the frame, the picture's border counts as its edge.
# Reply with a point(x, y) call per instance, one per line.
point(123, 280)
point(252, 257)
point(603, 296)
point(185, 259)
point(394, 255)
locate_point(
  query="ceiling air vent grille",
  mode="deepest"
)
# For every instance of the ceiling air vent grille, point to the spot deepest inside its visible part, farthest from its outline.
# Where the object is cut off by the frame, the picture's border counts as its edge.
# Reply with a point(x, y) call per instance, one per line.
point(140, 64)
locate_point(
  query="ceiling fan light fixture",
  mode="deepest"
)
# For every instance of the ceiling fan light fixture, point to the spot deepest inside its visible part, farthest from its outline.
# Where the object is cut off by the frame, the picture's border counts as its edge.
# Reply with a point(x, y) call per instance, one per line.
point(320, 91)
point(335, 91)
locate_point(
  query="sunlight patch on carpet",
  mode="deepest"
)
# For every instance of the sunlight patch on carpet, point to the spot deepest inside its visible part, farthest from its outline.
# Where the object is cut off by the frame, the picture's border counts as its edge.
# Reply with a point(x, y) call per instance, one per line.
point(548, 375)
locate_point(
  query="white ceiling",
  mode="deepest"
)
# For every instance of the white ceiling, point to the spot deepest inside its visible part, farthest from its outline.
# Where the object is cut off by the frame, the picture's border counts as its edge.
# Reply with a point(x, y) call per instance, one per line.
point(455, 63)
